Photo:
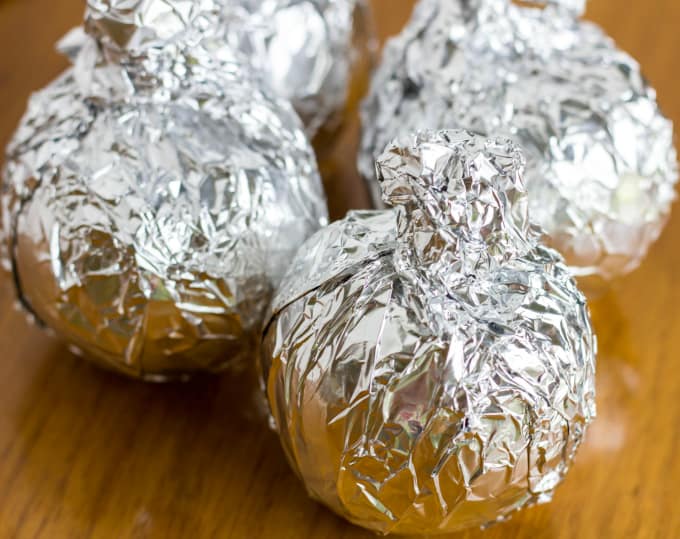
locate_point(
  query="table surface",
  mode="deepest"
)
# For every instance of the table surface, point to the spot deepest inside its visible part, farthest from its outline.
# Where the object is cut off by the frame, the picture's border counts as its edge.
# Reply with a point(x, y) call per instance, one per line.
point(86, 453)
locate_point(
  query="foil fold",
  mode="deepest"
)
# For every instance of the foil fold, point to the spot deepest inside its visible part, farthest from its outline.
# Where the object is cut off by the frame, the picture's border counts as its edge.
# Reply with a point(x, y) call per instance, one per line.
point(431, 367)
point(601, 165)
point(155, 193)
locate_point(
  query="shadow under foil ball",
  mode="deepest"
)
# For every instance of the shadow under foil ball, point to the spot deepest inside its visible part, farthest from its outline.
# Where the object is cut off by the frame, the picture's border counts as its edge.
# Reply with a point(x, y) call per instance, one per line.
point(155, 193)
point(601, 165)
point(431, 368)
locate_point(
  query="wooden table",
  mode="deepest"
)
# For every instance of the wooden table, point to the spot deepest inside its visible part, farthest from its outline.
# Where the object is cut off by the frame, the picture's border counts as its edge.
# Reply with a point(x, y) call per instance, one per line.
point(85, 453)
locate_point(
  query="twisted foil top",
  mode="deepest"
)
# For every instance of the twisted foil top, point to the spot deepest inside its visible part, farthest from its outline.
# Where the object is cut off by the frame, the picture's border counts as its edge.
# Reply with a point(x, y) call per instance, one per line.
point(153, 198)
point(305, 49)
point(155, 48)
point(132, 27)
point(431, 367)
point(601, 166)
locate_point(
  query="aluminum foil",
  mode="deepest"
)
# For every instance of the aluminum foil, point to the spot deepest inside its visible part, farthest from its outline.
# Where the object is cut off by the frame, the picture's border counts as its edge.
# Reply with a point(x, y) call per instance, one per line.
point(601, 163)
point(309, 50)
point(155, 193)
point(431, 367)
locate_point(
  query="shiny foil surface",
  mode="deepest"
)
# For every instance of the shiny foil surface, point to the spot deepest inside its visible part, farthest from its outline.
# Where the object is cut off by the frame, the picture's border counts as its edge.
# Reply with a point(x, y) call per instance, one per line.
point(308, 50)
point(601, 166)
point(431, 367)
point(155, 193)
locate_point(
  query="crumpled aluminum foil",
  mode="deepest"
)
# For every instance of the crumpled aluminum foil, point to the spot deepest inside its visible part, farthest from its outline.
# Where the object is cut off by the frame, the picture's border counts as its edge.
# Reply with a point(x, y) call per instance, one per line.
point(431, 367)
point(155, 193)
point(308, 49)
point(601, 163)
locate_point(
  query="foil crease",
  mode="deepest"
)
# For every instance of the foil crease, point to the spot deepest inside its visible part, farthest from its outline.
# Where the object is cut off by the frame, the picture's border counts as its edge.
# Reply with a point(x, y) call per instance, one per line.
point(431, 367)
point(601, 165)
point(155, 193)
point(308, 50)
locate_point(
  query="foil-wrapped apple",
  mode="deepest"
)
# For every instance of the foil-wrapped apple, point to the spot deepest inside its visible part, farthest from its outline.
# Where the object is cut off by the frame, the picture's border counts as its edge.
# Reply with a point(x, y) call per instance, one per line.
point(431, 367)
point(155, 193)
point(601, 165)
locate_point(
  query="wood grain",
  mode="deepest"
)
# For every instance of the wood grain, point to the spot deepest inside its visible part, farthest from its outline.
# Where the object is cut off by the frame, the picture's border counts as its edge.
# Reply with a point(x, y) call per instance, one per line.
point(87, 454)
